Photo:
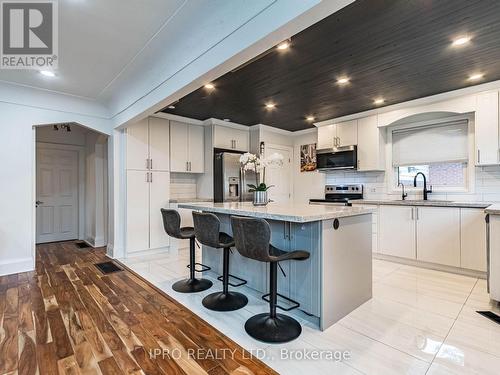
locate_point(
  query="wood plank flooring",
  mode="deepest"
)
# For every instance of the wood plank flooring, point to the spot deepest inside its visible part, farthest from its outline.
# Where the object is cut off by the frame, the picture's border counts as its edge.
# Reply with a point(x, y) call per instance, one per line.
point(67, 317)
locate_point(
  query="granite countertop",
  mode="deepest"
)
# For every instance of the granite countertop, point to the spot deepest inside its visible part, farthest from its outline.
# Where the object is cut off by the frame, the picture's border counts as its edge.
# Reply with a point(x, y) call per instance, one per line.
point(431, 203)
point(189, 200)
point(299, 213)
point(494, 209)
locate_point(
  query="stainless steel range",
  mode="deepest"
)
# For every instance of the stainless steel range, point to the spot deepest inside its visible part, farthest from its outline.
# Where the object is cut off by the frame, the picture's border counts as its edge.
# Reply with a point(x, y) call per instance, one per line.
point(340, 195)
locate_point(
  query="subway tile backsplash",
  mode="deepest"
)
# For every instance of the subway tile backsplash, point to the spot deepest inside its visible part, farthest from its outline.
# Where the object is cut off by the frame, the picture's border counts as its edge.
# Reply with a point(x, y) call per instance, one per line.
point(486, 187)
point(182, 185)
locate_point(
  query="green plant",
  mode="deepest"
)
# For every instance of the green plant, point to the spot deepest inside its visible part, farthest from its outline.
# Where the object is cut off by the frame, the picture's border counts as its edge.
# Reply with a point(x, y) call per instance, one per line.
point(260, 187)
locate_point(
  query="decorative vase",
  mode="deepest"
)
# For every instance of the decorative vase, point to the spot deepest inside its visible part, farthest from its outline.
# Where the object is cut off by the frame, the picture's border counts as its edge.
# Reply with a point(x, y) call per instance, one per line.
point(260, 198)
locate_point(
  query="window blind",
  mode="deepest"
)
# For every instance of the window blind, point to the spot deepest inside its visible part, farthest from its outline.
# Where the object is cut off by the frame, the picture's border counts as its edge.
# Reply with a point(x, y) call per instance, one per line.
point(443, 143)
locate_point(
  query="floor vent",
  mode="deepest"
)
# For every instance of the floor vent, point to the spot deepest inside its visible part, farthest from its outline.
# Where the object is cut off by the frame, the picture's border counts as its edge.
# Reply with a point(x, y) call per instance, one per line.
point(82, 245)
point(108, 267)
point(490, 315)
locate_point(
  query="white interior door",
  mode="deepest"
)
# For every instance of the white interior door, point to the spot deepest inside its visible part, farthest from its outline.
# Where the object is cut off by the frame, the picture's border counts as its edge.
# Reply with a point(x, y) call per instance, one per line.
point(280, 177)
point(56, 195)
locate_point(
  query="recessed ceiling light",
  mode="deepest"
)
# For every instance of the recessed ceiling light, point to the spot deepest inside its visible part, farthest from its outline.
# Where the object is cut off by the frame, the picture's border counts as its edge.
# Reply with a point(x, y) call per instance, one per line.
point(310, 118)
point(209, 86)
point(283, 45)
point(47, 73)
point(379, 101)
point(476, 76)
point(171, 106)
point(343, 80)
point(226, 119)
point(460, 41)
point(270, 105)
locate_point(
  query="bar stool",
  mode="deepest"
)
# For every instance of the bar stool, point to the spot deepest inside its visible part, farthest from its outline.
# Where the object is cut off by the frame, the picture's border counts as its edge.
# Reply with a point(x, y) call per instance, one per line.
point(252, 238)
point(172, 225)
point(206, 229)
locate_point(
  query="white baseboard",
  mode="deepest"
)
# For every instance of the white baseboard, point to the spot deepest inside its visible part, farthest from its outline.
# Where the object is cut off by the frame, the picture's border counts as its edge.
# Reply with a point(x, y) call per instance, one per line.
point(431, 266)
point(16, 266)
point(148, 252)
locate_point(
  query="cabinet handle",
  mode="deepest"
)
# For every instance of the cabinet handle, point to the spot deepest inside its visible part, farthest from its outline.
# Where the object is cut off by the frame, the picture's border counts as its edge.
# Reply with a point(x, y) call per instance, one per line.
point(147, 177)
point(412, 216)
point(150, 177)
point(187, 166)
point(479, 156)
point(150, 163)
point(189, 163)
point(418, 213)
point(147, 163)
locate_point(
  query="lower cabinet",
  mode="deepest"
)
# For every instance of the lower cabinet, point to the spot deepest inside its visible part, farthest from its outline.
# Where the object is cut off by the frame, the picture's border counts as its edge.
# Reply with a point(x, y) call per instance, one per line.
point(473, 239)
point(438, 235)
point(397, 231)
point(448, 236)
point(147, 192)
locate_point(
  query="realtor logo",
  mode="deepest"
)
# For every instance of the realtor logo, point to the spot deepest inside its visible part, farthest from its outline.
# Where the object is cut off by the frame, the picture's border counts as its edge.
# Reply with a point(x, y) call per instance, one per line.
point(29, 34)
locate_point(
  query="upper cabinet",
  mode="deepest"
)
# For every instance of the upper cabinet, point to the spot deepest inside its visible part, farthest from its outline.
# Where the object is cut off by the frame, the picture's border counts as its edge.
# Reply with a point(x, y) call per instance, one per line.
point(371, 145)
point(186, 148)
point(148, 145)
point(338, 135)
point(486, 129)
point(230, 138)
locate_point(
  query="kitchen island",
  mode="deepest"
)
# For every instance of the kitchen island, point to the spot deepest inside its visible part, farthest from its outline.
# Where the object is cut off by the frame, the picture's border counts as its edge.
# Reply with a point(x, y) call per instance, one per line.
point(337, 277)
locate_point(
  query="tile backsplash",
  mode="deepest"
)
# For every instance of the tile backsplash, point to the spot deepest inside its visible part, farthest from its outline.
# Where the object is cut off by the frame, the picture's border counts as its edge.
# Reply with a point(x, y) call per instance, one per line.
point(486, 186)
point(182, 185)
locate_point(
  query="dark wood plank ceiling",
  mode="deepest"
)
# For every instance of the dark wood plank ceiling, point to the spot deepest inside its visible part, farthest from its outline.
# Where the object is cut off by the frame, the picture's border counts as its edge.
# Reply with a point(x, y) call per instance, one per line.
point(398, 49)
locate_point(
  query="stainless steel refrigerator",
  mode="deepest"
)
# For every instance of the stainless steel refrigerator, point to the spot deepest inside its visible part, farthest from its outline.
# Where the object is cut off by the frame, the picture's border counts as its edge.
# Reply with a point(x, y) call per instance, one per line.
point(230, 183)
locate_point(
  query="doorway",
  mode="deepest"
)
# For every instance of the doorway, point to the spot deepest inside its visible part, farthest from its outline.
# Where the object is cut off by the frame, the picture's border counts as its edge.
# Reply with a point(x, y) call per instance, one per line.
point(280, 178)
point(70, 184)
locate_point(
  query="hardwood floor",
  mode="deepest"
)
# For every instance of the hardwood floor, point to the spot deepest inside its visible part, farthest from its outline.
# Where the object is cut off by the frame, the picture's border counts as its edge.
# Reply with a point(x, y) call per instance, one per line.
point(67, 317)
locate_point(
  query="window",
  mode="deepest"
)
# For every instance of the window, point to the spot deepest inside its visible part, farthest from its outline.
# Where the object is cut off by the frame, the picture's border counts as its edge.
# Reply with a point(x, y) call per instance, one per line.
point(438, 175)
point(440, 152)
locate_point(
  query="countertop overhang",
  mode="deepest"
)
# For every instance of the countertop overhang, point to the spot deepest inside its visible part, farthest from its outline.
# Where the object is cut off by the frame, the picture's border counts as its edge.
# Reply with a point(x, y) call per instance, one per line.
point(299, 213)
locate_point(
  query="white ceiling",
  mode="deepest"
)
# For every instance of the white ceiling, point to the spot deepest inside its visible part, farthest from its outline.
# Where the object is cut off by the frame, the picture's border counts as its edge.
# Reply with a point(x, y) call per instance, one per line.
point(97, 40)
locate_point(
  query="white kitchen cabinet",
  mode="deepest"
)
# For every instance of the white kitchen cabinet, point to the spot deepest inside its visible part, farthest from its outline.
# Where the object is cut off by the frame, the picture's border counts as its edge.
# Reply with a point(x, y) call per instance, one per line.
point(326, 135)
point(397, 231)
point(229, 138)
point(186, 147)
point(159, 193)
point(148, 145)
point(137, 233)
point(347, 133)
point(147, 193)
point(438, 235)
point(338, 135)
point(486, 129)
point(473, 239)
point(137, 154)
point(371, 145)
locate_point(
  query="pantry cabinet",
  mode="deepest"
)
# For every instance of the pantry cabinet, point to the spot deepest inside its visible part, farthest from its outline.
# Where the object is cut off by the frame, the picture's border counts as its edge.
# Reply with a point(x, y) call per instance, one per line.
point(230, 138)
point(486, 129)
point(147, 193)
point(147, 145)
point(186, 148)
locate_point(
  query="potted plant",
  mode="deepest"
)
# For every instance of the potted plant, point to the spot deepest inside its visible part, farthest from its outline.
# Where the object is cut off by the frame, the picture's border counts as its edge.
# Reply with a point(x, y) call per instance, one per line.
point(252, 162)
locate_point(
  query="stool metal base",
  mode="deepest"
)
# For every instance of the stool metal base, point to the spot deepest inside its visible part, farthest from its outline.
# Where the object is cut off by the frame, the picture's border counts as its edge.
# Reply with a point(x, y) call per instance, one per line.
point(192, 285)
point(229, 301)
point(276, 330)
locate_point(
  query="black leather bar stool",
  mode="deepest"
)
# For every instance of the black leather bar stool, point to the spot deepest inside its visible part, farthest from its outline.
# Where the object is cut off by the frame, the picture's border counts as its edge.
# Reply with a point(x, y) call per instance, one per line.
point(207, 231)
point(252, 239)
point(172, 225)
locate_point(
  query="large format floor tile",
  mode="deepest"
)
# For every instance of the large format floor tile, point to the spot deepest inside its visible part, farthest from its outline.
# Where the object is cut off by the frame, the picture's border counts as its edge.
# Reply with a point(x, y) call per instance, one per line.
point(419, 321)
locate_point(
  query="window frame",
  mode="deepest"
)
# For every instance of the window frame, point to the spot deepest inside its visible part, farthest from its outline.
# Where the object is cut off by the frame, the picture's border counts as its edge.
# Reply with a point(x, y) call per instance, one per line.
point(469, 186)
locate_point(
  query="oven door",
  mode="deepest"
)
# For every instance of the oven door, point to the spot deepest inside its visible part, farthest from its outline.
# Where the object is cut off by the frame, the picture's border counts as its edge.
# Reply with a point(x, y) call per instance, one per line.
point(341, 158)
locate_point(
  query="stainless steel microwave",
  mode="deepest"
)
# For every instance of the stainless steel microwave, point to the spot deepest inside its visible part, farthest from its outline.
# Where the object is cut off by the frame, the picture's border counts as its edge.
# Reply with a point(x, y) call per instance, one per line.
point(337, 158)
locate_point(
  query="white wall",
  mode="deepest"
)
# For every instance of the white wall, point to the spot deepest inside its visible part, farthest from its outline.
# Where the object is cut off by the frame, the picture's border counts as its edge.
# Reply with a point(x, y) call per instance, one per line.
point(17, 146)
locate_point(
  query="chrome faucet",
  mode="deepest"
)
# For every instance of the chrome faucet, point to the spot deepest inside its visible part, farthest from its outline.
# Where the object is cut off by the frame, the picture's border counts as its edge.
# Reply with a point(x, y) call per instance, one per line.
point(403, 194)
point(425, 184)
